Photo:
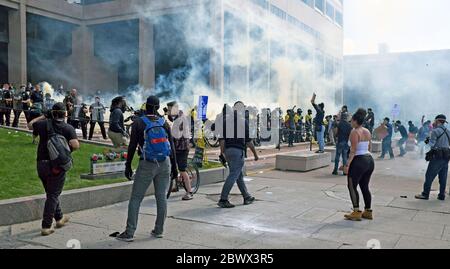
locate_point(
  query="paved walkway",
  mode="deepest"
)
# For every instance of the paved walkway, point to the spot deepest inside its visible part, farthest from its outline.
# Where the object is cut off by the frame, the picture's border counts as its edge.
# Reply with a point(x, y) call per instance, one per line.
point(294, 210)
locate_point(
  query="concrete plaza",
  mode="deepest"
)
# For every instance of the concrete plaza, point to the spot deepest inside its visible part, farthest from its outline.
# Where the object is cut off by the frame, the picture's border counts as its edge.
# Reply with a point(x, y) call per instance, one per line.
point(293, 210)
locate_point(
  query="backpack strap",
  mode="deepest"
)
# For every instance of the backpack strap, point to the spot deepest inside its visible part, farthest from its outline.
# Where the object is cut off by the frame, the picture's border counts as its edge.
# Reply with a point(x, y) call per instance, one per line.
point(147, 121)
point(446, 133)
point(50, 129)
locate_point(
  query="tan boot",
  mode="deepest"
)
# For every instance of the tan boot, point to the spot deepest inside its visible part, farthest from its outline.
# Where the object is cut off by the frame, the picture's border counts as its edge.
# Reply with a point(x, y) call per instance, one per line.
point(47, 232)
point(367, 214)
point(354, 216)
point(62, 222)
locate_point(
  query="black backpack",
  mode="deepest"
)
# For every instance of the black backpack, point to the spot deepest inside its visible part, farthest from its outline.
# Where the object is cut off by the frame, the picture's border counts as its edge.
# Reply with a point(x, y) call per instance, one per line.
point(58, 149)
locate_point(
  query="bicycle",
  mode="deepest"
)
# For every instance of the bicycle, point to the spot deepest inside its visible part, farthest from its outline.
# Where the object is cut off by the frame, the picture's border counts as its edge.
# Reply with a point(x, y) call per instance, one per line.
point(177, 182)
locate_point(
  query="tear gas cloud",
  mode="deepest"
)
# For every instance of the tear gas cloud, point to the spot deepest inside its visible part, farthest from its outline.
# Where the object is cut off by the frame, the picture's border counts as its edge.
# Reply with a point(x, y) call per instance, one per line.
point(417, 81)
point(186, 43)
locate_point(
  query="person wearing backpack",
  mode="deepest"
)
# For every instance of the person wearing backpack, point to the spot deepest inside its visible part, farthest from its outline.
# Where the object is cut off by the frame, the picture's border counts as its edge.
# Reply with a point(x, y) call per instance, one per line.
point(152, 135)
point(57, 140)
point(438, 158)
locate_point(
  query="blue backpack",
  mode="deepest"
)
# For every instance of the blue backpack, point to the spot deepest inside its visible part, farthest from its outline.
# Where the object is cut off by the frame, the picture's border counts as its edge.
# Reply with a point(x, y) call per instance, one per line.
point(156, 145)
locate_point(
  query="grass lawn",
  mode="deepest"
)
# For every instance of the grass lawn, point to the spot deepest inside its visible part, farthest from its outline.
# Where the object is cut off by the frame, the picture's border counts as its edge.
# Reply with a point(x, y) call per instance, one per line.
point(18, 176)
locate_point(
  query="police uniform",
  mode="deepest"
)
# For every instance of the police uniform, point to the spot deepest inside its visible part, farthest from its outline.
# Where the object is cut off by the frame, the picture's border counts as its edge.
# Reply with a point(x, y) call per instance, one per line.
point(97, 116)
point(6, 107)
point(438, 158)
point(17, 106)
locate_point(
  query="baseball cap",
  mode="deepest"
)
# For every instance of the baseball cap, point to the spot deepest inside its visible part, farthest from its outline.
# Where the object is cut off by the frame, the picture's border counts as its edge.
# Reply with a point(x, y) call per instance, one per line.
point(441, 117)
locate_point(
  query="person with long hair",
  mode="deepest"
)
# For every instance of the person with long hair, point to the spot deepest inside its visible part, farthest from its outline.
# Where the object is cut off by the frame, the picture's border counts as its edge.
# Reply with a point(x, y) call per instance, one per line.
point(360, 167)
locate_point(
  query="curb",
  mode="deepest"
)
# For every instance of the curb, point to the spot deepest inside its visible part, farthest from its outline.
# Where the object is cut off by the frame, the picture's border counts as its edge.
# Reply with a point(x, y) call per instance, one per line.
point(26, 209)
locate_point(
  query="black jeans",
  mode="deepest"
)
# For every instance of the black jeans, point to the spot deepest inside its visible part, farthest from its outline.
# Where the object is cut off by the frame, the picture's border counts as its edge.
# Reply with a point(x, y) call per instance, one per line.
point(92, 127)
point(360, 172)
point(53, 185)
point(83, 126)
point(7, 114)
point(17, 114)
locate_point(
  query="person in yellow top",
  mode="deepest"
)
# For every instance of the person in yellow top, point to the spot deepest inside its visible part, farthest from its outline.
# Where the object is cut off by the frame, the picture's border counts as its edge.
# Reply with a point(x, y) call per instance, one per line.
point(193, 115)
point(308, 125)
point(298, 120)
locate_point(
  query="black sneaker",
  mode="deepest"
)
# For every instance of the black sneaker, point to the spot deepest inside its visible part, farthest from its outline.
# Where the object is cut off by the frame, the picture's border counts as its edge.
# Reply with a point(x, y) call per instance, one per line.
point(335, 172)
point(157, 235)
point(125, 237)
point(421, 197)
point(441, 197)
point(249, 200)
point(225, 204)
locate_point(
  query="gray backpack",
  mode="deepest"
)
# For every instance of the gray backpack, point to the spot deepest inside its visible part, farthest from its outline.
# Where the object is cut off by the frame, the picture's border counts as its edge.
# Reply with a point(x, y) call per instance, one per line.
point(58, 149)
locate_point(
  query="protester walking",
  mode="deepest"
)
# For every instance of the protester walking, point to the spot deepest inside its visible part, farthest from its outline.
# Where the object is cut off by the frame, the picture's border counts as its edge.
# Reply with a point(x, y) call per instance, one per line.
point(401, 143)
point(152, 134)
point(386, 144)
point(360, 167)
point(232, 147)
point(56, 139)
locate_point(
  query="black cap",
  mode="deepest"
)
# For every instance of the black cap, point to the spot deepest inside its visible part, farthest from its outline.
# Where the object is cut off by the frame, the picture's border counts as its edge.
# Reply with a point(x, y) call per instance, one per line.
point(441, 118)
point(59, 107)
point(153, 101)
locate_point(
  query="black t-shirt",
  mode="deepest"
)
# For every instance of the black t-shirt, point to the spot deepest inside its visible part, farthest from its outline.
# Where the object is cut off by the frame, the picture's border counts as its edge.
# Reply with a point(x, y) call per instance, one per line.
point(60, 127)
point(344, 130)
point(234, 141)
point(320, 115)
point(403, 131)
point(37, 97)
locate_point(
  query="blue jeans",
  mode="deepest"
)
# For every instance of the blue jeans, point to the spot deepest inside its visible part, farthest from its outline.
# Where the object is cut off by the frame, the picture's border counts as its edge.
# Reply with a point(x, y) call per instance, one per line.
point(386, 146)
point(321, 138)
point(437, 167)
point(235, 158)
point(401, 145)
point(148, 172)
point(342, 148)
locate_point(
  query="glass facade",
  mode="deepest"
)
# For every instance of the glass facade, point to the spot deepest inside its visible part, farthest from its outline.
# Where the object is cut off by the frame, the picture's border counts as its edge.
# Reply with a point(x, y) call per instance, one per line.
point(320, 5)
point(330, 11)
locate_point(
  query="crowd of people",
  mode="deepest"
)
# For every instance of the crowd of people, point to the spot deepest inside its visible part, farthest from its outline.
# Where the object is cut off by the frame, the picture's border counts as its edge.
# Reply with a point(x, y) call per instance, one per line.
point(163, 155)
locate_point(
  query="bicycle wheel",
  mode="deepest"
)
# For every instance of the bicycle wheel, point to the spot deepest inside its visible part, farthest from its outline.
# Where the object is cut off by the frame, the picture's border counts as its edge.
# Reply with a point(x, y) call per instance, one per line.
point(213, 142)
point(211, 139)
point(194, 176)
point(173, 184)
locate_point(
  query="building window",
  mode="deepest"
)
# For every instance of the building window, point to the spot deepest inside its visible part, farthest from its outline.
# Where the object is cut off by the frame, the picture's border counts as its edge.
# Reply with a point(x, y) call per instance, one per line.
point(330, 11)
point(320, 5)
point(278, 12)
point(338, 18)
point(262, 3)
point(309, 2)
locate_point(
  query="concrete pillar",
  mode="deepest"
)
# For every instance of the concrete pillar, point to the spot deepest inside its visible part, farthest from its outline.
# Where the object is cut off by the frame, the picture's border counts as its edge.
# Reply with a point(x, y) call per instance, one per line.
point(88, 72)
point(146, 54)
point(17, 47)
